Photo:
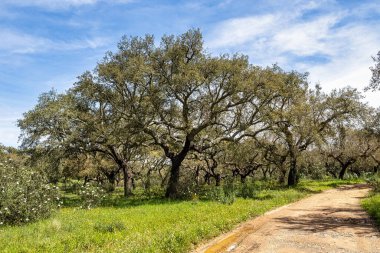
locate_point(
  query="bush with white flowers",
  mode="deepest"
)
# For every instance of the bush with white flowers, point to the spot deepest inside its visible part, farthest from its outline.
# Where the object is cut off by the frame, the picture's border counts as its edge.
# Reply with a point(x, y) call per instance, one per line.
point(25, 195)
point(91, 195)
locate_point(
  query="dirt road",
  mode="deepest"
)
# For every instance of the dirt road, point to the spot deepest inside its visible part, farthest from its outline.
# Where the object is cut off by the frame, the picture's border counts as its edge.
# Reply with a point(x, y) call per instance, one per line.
point(332, 221)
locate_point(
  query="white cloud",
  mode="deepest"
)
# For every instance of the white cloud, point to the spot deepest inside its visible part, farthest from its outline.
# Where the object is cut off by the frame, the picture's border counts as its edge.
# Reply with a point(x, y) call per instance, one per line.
point(306, 38)
point(58, 4)
point(240, 30)
point(49, 4)
point(19, 43)
point(335, 46)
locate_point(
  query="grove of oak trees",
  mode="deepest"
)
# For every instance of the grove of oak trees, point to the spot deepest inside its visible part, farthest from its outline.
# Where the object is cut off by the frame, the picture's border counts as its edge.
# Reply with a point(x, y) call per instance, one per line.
point(170, 110)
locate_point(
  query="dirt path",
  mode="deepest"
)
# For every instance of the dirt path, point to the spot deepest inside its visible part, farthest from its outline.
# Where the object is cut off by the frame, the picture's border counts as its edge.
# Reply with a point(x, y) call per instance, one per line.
point(332, 221)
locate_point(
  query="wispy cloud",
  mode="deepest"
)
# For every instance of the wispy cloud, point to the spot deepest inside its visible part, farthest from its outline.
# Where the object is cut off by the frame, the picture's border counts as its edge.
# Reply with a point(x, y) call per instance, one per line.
point(58, 4)
point(235, 32)
point(335, 46)
point(14, 42)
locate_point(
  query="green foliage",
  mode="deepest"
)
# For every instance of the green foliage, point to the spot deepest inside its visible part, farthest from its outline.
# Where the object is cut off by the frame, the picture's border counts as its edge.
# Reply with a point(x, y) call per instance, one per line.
point(372, 205)
point(109, 227)
point(374, 182)
point(91, 195)
point(228, 192)
point(375, 80)
point(248, 190)
point(155, 225)
point(154, 192)
point(24, 194)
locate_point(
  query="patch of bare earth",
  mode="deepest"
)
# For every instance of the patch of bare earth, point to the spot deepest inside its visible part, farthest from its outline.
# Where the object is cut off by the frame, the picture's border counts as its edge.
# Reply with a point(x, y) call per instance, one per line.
point(332, 221)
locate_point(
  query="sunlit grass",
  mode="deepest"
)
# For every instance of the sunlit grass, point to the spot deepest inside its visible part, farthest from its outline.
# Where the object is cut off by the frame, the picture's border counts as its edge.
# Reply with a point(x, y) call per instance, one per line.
point(372, 205)
point(154, 225)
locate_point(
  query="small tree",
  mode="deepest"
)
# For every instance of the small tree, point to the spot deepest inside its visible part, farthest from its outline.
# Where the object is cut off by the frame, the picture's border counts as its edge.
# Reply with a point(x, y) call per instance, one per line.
point(375, 79)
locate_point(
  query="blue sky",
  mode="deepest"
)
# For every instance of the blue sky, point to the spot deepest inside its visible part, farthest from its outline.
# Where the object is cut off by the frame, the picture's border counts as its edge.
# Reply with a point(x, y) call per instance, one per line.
point(48, 43)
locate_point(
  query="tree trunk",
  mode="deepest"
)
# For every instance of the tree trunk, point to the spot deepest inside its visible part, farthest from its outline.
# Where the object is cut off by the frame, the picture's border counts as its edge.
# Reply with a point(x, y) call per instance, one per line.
point(342, 172)
point(197, 175)
point(207, 178)
point(172, 190)
point(242, 178)
point(217, 180)
point(281, 179)
point(293, 173)
point(147, 182)
point(111, 177)
point(127, 191)
point(133, 183)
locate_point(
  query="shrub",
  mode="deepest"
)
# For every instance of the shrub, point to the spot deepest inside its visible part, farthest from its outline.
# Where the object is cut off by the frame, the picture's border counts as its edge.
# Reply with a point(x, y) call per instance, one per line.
point(375, 183)
point(154, 192)
point(224, 194)
point(25, 195)
point(228, 192)
point(91, 195)
point(248, 190)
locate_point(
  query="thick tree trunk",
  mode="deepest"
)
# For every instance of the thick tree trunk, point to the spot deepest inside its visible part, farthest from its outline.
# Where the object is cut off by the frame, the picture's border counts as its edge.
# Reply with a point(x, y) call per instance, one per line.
point(293, 173)
point(217, 180)
point(172, 190)
point(281, 179)
point(111, 177)
point(207, 179)
point(343, 170)
point(127, 190)
point(147, 182)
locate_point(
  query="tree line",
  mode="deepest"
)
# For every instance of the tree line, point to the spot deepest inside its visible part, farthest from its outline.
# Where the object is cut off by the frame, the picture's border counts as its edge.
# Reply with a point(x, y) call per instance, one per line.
point(169, 114)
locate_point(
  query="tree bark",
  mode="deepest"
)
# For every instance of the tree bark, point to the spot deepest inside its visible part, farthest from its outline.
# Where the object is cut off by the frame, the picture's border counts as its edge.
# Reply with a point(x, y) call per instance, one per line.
point(281, 179)
point(172, 190)
point(127, 190)
point(111, 177)
point(342, 172)
point(207, 179)
point(217, 180)
point(293, 173)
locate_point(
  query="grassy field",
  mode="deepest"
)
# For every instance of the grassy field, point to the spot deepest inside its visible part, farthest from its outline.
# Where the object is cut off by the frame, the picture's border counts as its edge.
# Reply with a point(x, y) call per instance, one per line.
point(372, 205)
point(154, 225)
point(372, 202)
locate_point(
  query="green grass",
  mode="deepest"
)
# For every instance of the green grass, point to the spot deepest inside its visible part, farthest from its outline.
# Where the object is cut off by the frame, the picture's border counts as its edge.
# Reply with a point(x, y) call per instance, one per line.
point(153, 225)
point(372, 205)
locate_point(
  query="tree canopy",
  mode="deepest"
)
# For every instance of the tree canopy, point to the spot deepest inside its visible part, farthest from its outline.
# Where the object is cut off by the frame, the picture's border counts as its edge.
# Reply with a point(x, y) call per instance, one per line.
point(184, 111)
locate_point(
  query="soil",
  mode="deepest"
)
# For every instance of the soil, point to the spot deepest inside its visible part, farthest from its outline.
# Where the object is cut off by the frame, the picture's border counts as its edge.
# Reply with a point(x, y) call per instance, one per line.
point(331, 221)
